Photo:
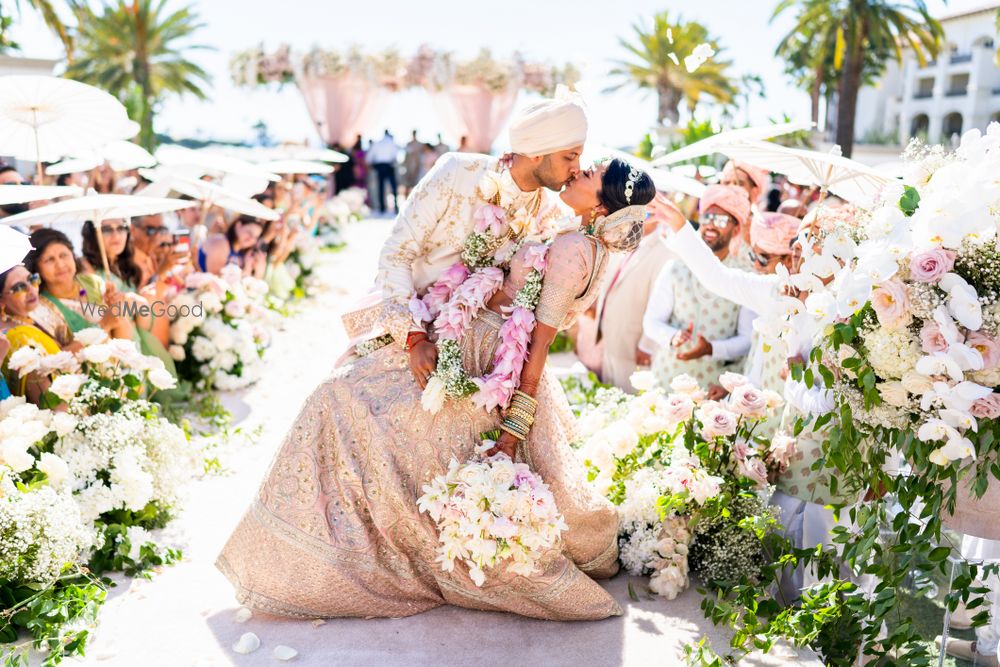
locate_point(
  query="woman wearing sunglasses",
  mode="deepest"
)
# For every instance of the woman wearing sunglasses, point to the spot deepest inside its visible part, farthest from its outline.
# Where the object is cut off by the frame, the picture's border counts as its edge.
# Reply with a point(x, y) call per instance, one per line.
point(152, 333)
point(18, 298)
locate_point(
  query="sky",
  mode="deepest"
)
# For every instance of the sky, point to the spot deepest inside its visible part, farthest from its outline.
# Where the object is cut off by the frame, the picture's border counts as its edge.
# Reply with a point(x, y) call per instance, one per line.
point(583, 32)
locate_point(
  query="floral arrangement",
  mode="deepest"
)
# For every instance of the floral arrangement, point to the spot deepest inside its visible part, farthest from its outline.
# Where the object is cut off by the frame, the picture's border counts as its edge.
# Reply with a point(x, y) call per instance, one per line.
point(427, 68)
point(301, 262)
point(343, 208)
point(492, 513)
point(453, 302)
point(220, 339)
point(676, 463)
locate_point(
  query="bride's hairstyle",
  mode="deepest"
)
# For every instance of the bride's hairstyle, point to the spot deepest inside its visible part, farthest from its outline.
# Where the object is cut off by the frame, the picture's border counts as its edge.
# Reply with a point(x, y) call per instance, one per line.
point(615, 182)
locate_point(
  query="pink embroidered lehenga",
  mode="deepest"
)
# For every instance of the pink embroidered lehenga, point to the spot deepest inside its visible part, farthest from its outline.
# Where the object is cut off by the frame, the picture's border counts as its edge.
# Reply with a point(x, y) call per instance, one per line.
point(335, 530)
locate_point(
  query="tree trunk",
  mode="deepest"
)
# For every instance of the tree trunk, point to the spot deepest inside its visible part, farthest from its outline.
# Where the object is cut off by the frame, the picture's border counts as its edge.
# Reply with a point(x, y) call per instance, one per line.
point(847, 100)
point(668, 102)
point(814, 96)
point(141, 70)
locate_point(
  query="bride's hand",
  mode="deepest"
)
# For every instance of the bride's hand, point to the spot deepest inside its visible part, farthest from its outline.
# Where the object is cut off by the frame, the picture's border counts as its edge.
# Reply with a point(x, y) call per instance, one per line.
point(506, 444)
point(666, 213)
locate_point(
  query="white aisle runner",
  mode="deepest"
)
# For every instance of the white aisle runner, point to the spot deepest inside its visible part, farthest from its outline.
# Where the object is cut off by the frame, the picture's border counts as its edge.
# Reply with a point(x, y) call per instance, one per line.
point(185, 615)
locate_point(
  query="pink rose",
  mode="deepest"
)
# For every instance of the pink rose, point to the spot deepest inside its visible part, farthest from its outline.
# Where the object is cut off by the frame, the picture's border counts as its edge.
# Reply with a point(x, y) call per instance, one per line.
point(987, 347)
point(782, 449)
point(679, 409)
point(748, 401)
point(753, 469)
point(732, 380)
point(741, 449)
point(490, 218)
point(931, 338)
point(987, 407)
point(891, 304)
point(718, 422)
point(929, 266)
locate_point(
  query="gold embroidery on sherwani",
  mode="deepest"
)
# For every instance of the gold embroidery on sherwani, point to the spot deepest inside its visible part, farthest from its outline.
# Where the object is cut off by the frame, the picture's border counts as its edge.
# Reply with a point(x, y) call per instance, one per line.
point(336, 530)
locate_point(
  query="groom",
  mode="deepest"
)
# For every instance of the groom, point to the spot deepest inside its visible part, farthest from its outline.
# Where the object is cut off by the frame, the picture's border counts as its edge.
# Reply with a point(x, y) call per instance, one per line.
point(546, 139)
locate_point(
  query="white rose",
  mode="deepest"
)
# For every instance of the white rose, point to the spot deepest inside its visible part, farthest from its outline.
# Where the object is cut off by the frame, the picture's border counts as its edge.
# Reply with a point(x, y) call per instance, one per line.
point(643, 380)
point(210, 302)
point(489, 185)
point(433, 397)
point(54, 468)
point(236, 308)
point(14, 453)
point(67, 386)
point(202, 349)
point(222, 341)
point(685, 384)
point(90, 336)
point(96, 354)
point(916, 383)
point(26, 359)
point(63, 423)
point(893, 393)
point(162, 379)
point(177, 352)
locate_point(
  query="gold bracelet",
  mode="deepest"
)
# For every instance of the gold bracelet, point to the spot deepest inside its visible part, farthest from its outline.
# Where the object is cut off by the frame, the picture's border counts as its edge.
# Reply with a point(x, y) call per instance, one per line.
point(504, 428)
point(520, 412)
point(518, 394)
point(527, 407)
point(519, 422)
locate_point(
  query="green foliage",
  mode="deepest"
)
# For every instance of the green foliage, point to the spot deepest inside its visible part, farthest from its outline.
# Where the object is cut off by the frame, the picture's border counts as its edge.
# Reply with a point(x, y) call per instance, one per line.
point(118, 554)
point(133, 49)
point(653, 68)
point(561, 343)
point(55, 615)
point(910, 200)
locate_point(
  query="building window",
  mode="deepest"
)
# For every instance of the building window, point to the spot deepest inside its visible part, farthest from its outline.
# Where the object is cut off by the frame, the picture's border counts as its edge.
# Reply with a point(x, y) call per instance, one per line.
point(958, 85)
point(952, 126)
point(919, 126)
point(925, 88)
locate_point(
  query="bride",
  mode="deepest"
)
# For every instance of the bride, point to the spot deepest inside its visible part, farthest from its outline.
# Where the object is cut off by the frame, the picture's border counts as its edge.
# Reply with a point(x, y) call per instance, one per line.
point(335, 529)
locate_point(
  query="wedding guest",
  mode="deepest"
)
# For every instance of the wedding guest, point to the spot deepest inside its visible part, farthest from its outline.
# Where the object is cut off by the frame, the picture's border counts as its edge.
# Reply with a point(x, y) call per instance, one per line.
point(64, 291)
point(794, 208)
point(688, 328)
point(983, 649)
point(11, 176)
point(412, 162)
point(18, 298)
point(343, 176)
point(4, 347)
point(620, 308)
point(751, 179)
point(102, 179)
point(238, 245)
point(463, 145)
point(153, 246)
point(383, 155)
point(152, 330)
point(428, 157)
point(360, 160)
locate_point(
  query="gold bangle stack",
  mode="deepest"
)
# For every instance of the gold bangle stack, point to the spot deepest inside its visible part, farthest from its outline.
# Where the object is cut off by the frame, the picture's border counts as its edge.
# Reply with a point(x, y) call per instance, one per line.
point(520, 415)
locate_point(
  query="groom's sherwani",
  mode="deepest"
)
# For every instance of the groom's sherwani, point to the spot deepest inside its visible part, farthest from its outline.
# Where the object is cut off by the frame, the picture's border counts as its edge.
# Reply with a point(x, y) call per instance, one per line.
point(427, 239)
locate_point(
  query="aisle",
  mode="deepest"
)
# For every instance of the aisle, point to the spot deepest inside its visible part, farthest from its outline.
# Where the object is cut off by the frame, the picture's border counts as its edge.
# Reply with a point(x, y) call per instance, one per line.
point(185, 615)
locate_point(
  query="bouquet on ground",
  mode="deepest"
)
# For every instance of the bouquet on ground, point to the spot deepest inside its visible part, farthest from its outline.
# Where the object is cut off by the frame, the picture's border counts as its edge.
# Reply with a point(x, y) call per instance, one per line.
point(221, 331)
point(492, 513)
point(301, 262)
point(677, 464)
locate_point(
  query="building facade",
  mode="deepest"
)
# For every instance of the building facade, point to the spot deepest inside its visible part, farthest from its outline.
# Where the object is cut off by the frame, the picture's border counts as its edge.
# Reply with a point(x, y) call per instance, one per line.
point(937, 101)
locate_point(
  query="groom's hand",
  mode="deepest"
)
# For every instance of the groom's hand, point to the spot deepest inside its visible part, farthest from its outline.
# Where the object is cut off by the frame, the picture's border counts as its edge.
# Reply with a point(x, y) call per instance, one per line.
point(423, 361)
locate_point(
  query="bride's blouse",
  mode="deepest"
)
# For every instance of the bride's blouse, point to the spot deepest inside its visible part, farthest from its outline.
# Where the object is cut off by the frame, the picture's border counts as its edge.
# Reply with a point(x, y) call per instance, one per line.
point(575, 265)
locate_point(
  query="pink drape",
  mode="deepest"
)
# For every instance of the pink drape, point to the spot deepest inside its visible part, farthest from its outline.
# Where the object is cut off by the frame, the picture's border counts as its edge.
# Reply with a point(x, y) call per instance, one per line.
point(474, 112)
point(342, 107)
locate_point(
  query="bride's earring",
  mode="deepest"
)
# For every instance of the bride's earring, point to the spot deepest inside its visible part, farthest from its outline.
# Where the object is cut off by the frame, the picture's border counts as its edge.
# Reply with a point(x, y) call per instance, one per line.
point(593, 217)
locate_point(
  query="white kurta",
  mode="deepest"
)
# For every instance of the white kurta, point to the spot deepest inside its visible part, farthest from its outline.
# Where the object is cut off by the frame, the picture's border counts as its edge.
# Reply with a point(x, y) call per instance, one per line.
point(427, 239)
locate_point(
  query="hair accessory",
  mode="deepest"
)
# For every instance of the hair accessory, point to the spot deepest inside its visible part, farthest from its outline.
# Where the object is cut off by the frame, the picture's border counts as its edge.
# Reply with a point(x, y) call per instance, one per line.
point(633, 178)
point(622, 230)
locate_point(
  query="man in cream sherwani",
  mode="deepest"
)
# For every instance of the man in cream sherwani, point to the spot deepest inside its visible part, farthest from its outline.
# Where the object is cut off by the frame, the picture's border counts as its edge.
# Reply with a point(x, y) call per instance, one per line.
point(546, 139)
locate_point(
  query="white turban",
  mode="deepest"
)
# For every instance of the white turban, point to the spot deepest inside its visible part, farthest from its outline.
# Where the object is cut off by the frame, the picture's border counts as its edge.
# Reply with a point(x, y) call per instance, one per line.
point(549, 126)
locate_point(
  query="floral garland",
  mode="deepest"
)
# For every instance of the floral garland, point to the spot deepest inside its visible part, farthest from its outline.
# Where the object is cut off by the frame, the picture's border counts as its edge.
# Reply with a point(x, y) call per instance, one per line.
point(453, 302)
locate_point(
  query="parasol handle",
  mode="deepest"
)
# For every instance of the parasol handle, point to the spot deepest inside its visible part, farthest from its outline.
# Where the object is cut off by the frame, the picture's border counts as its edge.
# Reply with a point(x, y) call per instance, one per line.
point(100, 246)
point(38, 150)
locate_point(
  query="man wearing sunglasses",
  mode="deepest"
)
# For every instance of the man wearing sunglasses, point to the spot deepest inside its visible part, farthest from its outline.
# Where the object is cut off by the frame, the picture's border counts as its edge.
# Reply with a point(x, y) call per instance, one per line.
point(689, 328)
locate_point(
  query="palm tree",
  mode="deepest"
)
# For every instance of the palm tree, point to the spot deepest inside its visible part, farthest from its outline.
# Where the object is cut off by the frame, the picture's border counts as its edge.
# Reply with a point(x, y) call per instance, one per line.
point(864, 33)
point(132, 50)
point(656, 67)
point(52, 20)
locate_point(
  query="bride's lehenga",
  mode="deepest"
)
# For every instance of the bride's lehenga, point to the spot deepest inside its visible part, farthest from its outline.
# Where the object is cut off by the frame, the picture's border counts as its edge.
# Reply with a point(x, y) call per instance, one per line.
point(335, 530)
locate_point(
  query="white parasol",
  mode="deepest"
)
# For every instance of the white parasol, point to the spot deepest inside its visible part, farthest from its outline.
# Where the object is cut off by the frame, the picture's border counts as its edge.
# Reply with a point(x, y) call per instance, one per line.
point(177, 158)
point(711, 144)
point(212, 194)
point(309, 153)
point(97, 208)
point(19, 194)
point(120, 155)
point(846, 178)
point(46, 118)
point(13, 247)
point(296, 167)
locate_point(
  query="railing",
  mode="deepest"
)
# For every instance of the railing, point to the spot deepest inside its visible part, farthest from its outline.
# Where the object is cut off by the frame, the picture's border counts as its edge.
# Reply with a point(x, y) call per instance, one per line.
point(923, 94)
point(957, 92)
point(957, 58)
